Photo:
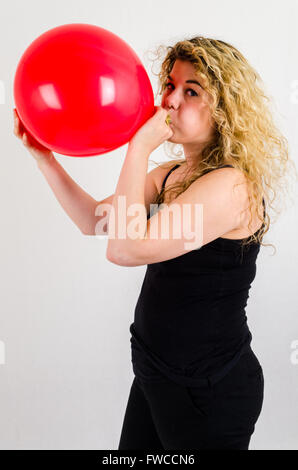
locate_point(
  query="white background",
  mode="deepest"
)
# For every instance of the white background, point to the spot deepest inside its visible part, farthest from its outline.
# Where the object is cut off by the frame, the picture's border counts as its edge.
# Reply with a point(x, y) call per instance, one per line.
point(66, 310)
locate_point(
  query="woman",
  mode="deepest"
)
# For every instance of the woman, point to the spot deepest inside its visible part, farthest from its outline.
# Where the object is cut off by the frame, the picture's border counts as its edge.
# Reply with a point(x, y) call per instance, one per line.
point(198, 383)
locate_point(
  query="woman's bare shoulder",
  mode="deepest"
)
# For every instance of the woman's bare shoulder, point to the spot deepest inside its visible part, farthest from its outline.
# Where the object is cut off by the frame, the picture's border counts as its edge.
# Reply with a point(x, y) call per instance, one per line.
point(162, 169)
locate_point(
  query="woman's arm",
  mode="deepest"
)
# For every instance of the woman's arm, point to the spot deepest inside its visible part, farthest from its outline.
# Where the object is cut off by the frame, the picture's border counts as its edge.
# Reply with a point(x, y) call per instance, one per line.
point(125, 234)
point(76, 202)
point(79, 205)
point(128, 198)
point(211, 206)
point(85, 211)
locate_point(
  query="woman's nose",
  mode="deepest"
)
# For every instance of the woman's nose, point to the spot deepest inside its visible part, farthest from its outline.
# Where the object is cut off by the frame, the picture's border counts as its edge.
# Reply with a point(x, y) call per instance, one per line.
point(171, 103)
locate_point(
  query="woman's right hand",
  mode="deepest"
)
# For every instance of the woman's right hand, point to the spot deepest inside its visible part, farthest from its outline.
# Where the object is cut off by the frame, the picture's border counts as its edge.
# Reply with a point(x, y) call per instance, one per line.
point(38, 151)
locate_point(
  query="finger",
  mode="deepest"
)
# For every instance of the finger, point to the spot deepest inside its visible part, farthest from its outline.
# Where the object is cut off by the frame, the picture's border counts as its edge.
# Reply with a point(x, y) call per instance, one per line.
point(161, 109)
point(25, 139)
point(18, 123)
point(158, 110)
point(15, 113)
point(17, 127)
point(166, 116)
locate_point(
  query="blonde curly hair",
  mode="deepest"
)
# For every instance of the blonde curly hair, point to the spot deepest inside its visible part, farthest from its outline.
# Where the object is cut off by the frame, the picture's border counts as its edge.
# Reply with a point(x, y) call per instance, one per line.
point(246, 136)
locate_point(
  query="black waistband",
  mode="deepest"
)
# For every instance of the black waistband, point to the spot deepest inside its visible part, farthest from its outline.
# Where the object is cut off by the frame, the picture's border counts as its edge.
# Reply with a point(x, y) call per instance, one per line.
point(172, 373)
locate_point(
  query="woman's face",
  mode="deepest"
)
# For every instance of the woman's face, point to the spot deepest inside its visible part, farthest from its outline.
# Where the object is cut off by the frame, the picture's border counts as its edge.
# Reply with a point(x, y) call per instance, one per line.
point(187, 104)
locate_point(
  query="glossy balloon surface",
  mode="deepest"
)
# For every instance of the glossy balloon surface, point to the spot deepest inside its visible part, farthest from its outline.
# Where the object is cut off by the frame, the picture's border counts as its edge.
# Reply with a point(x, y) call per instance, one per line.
point(81, 90)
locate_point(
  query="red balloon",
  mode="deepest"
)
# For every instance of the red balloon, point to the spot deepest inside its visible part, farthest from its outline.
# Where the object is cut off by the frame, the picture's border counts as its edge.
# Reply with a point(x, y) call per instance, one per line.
point(80, 90)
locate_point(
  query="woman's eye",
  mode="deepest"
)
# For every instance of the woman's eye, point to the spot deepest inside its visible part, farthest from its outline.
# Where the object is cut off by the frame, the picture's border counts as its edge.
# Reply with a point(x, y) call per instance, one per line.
point(189, 89)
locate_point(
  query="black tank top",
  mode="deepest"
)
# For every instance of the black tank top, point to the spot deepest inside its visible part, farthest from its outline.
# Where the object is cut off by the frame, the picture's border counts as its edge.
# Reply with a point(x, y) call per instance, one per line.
point(190, 323)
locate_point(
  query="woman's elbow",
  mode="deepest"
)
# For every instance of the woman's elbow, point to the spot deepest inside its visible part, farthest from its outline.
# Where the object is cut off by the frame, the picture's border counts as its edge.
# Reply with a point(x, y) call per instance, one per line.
point(120, 259)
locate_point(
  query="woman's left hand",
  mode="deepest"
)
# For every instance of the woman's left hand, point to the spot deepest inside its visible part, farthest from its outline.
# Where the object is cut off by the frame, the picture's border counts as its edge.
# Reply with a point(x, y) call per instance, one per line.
point(154, 132)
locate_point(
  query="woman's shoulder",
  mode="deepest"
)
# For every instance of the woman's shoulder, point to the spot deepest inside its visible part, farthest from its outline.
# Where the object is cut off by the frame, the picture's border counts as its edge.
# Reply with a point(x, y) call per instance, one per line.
point(161, 171)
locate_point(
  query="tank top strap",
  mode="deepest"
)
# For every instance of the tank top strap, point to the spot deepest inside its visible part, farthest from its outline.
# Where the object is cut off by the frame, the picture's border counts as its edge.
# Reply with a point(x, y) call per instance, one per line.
point(222, 166)
point(264, 212)
point(167, 175)
point(176, 166)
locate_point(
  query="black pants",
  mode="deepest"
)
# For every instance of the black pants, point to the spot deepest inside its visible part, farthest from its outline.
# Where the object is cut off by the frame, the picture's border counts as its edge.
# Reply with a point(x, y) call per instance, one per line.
point(170, 416)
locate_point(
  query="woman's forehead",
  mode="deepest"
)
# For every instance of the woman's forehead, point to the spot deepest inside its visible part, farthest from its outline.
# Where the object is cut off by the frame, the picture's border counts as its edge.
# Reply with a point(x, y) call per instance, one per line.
point(185, 71)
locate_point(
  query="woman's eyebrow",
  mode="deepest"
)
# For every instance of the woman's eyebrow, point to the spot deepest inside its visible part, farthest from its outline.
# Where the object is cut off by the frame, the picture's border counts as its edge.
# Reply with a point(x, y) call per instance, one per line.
point(188, 81)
